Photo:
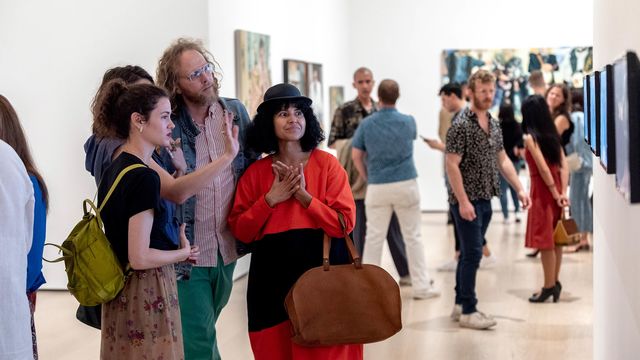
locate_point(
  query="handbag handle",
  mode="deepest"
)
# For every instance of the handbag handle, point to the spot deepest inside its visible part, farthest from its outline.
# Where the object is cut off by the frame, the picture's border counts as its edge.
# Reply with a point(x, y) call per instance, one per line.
point(326, 247)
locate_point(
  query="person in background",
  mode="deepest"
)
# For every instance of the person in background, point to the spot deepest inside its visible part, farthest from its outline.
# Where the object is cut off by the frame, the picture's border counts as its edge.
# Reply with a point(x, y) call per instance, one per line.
point(579, 179)
point(284, 205)
point(474, 156)
point(16, 234)
point(537, 83)
point(11, 132)
point(385, 140)
point(549, 179)
point(512, 139)
point(144, 319)
point(346, 120)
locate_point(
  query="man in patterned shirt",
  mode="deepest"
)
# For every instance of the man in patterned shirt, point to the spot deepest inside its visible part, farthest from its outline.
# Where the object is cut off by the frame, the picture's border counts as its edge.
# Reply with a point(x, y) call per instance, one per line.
point(345, 122)
point(474, 155)
point(187, 71)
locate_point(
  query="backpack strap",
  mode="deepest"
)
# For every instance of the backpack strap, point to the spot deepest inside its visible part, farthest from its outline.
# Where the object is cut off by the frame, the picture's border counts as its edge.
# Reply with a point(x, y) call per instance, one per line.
point(115, 183)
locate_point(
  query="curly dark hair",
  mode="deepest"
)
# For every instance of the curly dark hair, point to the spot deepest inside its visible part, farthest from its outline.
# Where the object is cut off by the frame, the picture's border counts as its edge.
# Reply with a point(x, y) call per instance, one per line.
point(261, 135)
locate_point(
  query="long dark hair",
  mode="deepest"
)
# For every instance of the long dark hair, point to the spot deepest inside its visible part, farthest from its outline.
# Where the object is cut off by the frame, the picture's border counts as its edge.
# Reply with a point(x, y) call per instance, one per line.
point(11, 132)
point(261, 134)
point(536, 121)
point(506, 114)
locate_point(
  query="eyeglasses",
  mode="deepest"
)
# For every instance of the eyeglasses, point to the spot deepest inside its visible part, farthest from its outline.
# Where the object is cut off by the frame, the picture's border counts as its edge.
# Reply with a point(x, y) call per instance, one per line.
point(207, 68)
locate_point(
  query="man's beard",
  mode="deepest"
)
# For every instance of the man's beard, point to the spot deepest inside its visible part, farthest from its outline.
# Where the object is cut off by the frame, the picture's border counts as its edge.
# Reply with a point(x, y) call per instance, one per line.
point(480, 105)
point(203, 98)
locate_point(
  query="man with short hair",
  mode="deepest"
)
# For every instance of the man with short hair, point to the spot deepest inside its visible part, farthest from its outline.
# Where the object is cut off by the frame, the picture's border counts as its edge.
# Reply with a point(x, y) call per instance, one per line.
point(385, 138)
point(474, 155)
point(187, 71)
point(346, 120)
point(537, 83)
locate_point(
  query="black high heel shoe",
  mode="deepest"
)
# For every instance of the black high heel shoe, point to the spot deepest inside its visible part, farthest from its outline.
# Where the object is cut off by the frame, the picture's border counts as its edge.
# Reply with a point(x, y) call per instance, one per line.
point(558, 289)
point(533, 254)
point(546, 293)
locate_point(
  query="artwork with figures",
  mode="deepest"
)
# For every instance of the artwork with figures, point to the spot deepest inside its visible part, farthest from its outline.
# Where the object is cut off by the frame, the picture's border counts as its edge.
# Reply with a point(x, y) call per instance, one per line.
point(314, 79)
point(253, 73)
point(295, 73)
point(336, 98)
point(512, 68)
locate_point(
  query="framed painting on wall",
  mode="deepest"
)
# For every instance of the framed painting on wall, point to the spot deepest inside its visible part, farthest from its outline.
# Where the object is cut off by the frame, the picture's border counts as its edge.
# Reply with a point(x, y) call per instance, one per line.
point(626, 79)
point(295, 73)
point(587, 108)
point(253, 72)
point(314, 79)
point(512, 67)
point(336, 98)
point(607, 124)
point(594, 112)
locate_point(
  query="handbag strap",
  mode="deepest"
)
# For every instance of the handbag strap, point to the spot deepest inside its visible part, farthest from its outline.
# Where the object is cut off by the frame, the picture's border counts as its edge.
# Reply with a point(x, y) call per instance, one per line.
point(326, 247)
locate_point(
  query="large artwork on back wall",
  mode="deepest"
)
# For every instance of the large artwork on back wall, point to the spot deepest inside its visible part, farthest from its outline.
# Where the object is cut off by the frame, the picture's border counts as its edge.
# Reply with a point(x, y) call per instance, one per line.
point(513, 66)
point(253, 74)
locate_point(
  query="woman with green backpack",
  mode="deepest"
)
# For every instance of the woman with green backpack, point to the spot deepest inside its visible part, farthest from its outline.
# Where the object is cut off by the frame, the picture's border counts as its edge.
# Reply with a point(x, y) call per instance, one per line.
point(144, 319)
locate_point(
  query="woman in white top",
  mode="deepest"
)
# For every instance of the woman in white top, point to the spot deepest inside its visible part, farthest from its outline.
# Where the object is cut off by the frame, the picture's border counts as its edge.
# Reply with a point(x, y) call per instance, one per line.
point(16, 227)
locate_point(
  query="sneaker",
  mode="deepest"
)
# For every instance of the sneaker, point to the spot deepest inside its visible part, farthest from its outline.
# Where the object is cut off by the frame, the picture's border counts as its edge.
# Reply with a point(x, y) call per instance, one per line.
point(456, 312)
point(449, 266)
point(405, 280)
point(488, 261)
point(477, 321)
point(426, 293)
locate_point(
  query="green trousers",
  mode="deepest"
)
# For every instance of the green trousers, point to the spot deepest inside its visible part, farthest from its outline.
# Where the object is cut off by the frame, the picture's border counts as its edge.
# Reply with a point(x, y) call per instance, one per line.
point(202, 298)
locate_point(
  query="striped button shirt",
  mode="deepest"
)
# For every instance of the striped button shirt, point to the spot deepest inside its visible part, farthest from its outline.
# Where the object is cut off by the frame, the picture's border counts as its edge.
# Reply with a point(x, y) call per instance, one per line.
point(214, 202)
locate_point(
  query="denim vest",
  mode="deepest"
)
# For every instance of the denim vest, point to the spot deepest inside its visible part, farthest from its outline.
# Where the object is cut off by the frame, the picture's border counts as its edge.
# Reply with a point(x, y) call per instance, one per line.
point(187, 131)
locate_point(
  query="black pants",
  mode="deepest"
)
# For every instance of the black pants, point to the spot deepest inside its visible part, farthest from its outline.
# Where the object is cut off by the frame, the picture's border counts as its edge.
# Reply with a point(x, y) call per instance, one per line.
point(394, 238)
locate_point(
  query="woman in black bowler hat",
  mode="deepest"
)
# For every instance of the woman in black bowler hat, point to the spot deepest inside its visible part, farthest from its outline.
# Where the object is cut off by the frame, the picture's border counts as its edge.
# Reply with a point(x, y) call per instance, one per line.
point(284, 204)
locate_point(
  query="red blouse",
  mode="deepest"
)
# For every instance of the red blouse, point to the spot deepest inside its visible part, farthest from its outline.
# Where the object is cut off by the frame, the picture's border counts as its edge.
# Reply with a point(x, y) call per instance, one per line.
point(251, 217)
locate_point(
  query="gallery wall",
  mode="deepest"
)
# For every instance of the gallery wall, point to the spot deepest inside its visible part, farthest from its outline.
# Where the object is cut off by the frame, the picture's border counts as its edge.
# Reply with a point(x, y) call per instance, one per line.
point(52, 57)
point(616, 289)
point(404, 41)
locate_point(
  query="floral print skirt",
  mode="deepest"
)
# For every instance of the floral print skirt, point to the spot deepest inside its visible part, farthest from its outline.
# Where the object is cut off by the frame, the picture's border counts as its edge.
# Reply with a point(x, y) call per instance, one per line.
point(143, 321)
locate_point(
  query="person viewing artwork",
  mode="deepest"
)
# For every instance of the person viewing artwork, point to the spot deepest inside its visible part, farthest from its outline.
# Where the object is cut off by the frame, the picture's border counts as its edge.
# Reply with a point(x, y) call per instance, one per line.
point(17, 228)
point(284, 205)
point(144, 319)
point(549, 178)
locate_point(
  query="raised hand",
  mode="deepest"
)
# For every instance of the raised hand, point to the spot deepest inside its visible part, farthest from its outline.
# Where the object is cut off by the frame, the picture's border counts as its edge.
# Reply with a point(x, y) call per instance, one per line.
point(230, 132)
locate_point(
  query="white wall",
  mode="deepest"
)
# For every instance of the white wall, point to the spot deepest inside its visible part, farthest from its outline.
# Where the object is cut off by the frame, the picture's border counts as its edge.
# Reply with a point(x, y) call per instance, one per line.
point(52, 58)
point(403, 40)
point(313, 31)
point(616, 289)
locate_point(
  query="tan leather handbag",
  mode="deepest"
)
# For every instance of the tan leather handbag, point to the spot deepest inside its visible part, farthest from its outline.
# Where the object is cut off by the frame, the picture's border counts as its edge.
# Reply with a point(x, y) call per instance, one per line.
point(566, 231)
point(344, 304)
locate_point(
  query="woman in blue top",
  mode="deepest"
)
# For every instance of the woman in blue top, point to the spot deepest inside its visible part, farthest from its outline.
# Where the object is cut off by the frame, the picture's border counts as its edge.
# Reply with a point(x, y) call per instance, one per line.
point(11, 132)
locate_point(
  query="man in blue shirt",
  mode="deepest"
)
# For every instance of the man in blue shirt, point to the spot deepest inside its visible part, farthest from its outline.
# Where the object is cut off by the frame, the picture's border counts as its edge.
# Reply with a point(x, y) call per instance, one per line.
point(386, 138)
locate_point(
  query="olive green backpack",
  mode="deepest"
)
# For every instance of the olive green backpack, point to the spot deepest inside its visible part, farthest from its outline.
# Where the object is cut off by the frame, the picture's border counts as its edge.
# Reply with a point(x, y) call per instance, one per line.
point(93, 270)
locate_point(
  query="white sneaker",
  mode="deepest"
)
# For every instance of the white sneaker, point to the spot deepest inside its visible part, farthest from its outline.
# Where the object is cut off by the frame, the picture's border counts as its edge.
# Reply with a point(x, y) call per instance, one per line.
point(488, 261)
point(448, 266)
point(428, 293)
point(456, 312)
point(405, 280)
point(477, 321)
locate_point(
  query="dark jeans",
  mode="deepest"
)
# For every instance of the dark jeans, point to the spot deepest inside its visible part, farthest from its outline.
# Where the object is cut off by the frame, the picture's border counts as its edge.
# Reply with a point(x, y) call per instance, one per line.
point(456, 237)
point(471, 235)
point(394, 238)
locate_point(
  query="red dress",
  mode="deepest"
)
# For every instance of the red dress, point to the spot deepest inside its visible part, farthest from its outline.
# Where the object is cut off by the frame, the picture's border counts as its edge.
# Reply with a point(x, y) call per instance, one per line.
point(287, 241)
point(544, 212)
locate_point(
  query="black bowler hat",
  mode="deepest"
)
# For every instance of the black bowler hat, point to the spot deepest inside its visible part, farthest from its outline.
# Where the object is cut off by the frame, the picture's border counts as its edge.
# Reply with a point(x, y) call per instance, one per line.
point(286, 92)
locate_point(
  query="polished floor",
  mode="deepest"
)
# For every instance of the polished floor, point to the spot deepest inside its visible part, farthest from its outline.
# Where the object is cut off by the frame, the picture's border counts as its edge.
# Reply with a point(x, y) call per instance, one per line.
point(547, 331)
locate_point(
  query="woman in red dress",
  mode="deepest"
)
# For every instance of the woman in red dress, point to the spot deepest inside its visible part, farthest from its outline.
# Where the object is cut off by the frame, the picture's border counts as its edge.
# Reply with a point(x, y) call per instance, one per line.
point(284, 204)
point(549, 178)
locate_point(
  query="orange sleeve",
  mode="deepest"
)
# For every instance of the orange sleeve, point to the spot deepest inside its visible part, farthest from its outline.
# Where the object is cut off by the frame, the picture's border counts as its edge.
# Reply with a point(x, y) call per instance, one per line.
point(338, 198)
point(250, 211)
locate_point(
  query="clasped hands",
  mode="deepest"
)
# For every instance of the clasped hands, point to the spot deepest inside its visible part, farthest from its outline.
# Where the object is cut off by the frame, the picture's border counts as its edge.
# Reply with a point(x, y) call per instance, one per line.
point(288, 181)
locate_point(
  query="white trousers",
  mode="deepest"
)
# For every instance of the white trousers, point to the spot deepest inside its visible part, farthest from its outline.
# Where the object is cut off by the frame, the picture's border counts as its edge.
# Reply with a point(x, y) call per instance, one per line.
point(403, 197)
